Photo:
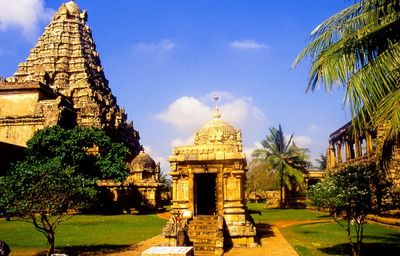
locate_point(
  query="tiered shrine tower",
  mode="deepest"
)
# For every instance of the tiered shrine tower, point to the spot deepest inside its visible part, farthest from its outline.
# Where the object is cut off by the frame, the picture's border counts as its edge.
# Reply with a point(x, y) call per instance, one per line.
point(208, 189)
point(62, 82)
point(66, 63)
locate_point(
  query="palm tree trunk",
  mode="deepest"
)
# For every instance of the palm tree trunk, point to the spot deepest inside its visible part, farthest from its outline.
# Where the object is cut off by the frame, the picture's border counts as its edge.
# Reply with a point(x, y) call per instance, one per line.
point(281, 193)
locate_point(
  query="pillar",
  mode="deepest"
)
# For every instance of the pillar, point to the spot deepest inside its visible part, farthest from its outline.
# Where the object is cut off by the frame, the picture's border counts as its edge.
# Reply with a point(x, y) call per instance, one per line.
point(347, 150)
point(220, 191)
point(368, 142)
point(174, 189)
point(358, 147)
point(339, 152)
point(331, 156)
point(191, 191)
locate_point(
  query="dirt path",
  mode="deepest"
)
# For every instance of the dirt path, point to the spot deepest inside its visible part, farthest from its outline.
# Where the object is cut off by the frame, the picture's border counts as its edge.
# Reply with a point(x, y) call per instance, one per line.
point(272, 244)
point(137, 249)
point(272, 241)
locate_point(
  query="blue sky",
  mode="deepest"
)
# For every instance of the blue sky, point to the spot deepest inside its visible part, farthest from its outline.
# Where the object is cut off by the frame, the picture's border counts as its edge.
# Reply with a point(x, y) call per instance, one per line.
point(166, 58)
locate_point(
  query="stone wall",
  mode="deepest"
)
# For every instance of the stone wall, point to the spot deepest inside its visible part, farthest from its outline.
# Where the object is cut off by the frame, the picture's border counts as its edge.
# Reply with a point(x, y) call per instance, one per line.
point(26, 108)
point(371, 153)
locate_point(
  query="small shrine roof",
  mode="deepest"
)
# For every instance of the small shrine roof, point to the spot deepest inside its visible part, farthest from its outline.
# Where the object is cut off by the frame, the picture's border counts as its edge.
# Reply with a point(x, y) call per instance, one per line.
point(142, 162)
point(216, 140)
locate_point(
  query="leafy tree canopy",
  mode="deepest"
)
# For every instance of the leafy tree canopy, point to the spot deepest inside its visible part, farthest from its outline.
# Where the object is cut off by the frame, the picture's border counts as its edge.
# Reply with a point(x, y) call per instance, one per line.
point(281, 156)
point(322, 161)
point(259, 180)
point(352, 194)
point(59, 173)
point(87, 150)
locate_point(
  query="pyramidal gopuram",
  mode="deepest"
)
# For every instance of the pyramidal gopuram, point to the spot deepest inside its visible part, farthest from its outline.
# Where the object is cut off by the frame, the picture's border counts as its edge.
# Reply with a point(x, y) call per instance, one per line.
point(62, 71)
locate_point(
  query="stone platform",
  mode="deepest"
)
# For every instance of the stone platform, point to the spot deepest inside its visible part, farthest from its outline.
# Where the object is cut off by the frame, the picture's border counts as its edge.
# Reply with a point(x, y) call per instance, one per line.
point(169, 251)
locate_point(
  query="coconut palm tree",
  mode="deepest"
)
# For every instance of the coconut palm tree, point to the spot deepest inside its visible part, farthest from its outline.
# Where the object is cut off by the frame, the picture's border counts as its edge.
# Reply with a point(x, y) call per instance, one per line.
point(322, 161)
point(283, 158)
point(359, 49)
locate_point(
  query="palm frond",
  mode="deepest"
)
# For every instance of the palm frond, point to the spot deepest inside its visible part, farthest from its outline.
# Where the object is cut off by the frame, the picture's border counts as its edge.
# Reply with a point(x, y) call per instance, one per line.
point(283, 157)
point(359, 48)
point(372, 84)
point(389, 114)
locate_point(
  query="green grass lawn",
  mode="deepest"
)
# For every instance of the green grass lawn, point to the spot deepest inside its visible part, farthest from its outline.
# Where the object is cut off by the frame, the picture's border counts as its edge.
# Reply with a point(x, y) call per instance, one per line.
point(327, 238)
point(330, 239)
point(93, 233)
point(269, 215)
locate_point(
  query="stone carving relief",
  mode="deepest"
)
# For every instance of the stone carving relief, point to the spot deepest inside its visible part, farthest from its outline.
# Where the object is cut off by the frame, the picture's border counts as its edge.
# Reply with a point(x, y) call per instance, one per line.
point(65, 58)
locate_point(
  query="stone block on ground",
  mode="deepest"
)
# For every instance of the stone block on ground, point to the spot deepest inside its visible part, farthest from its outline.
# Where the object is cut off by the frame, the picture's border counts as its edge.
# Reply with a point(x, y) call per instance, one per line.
point(169, 251)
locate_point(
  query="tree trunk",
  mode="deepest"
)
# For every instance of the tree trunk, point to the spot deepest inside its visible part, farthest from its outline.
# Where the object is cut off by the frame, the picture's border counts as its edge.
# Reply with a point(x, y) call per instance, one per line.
point(50, 240)
point(359, 230)
point(348, 229)
point(353, 247)
point(281, 195)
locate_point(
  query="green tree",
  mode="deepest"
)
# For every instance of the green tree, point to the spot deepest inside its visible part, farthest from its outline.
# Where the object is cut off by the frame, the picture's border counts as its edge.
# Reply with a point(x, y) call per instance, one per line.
point(259, 179)
point(166, 188)
point(322, 161)
point(282, 157)
point(59, 173)
point(359, 49)
point(351, 194)
point(166, 182)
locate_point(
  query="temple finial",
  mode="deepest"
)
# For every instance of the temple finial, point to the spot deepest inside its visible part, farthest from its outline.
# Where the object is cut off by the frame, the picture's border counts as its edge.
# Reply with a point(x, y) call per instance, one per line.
point(216, 99)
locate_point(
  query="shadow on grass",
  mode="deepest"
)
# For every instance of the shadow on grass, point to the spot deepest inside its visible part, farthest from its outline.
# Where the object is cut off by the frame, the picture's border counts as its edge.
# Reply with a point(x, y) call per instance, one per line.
point(368, 249)
point(308, 232)
point(91, 250)
point(327, 216)
point(264, 230)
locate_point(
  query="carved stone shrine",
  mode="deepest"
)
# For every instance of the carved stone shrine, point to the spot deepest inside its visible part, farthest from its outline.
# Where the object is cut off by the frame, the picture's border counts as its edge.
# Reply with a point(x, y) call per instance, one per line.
point(208, 191)
point(62, 82)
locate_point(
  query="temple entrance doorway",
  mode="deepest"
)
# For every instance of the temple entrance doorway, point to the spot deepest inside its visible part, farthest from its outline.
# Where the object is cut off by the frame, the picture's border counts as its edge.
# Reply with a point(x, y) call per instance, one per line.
point(205, 194)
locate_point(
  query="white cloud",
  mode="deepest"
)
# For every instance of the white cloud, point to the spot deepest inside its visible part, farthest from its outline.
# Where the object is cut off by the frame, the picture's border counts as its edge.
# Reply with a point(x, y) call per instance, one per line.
point(249, 150)
point(221, 94)
point(24, 14)
point(238, 111)
point(147, 149)
point(164, 164)
point(186, 113)
point(164, 45)
point(247, 44)
point(189, 113)
point(184, 116)
point(315, 128)
point(302, 141)
point(182, 142)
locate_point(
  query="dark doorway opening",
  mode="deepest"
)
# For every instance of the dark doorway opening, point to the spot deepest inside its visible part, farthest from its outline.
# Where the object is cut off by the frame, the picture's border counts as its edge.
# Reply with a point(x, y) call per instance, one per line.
point(205, 194)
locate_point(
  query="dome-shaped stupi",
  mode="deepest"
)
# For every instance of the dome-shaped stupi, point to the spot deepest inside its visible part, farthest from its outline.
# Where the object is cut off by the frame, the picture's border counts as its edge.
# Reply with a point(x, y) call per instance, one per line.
point(217, 131)
point(70, 9)
point(73, 8)
point(142, 162)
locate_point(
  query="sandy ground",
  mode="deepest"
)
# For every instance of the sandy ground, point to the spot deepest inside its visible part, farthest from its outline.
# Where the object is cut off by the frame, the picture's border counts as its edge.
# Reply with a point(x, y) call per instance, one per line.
point(272, 242)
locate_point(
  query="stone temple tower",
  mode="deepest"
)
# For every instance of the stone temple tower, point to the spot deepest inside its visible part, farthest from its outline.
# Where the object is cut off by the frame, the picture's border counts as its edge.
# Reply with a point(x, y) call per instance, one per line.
point(208, 190)
point(65, 61)
point(62, 82)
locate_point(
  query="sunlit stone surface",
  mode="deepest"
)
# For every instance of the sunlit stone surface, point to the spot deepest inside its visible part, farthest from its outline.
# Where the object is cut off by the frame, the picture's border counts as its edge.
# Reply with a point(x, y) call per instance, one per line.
point(209, 185)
